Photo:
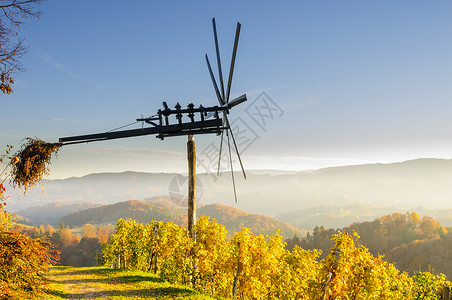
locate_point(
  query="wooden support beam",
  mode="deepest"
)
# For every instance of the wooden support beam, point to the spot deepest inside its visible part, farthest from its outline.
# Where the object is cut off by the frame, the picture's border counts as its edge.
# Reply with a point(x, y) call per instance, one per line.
point(166, 129)
point(446, 293)
point(191, 156)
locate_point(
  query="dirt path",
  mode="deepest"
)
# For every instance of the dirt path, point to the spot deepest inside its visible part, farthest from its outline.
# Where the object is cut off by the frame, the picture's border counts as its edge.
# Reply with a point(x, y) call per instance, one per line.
point(69, 283)
point(105, 283)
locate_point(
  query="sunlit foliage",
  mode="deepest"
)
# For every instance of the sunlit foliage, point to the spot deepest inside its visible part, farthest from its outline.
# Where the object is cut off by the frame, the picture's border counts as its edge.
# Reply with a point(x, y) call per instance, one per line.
point(22, 259)
point(259, 267)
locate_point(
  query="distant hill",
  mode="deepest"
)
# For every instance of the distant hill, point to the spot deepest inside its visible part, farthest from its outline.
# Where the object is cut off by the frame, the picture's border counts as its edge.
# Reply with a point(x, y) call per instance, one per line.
point(53, 212)
point(404, 185)
point(338, 216)
point(409, 241)
point(234, 220)
point(164, 210)
point(102, 188)
point(334, 216)
point(429, 253)
point(142, 211)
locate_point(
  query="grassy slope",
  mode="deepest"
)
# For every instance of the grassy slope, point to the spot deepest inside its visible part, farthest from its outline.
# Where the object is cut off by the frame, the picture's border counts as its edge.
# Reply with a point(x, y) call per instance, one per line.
point(106, 283)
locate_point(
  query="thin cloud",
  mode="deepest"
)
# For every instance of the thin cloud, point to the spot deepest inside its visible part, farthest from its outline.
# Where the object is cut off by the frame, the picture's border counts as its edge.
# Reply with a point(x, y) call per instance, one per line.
point(50, 60)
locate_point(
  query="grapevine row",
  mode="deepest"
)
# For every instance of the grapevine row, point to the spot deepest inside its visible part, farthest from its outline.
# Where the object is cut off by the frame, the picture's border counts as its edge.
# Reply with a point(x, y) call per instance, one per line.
point(259, 267)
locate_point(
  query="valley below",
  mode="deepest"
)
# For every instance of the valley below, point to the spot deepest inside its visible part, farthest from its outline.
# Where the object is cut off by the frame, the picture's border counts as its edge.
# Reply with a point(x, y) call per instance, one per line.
point(404, 206)
point(330, 197)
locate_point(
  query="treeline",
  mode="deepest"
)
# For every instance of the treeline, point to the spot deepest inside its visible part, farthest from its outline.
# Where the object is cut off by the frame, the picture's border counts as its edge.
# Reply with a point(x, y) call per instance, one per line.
point(166, 211)
point(234, 220)
point(22, 258)
point(256, 266)
point(135, 209)
point(74, 251)
point(410, 242)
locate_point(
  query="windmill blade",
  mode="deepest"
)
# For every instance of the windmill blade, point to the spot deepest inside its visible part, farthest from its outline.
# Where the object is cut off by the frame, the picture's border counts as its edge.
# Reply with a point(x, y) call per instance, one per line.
point(232, 169)
point(221, 147)
point(236, 101)
point(235, 145)
point(234, 53)
point(219, 156)
point(229, 105)
point(220, 72)
point(238, 154)
point(214, 81)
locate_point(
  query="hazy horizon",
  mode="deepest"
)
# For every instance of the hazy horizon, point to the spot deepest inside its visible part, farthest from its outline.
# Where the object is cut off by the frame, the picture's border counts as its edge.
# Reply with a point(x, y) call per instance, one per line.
point(308, 165)
point(345, 83)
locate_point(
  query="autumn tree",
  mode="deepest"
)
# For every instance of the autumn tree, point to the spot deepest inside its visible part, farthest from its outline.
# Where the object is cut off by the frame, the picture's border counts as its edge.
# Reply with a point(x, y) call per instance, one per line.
point(89, 231)
point(12, 44)
point(22, 258)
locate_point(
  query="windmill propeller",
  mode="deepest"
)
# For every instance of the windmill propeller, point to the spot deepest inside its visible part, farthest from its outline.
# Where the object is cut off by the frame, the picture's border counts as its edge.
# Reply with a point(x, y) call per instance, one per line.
point(223, 99)
point(229, 105)
point(220, 72)
point(234, 53)
point(163, 125)
point(214, 81)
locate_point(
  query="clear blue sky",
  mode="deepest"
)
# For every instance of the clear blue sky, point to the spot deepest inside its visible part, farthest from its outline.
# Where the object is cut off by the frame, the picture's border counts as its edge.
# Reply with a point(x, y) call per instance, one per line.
point(357, 81)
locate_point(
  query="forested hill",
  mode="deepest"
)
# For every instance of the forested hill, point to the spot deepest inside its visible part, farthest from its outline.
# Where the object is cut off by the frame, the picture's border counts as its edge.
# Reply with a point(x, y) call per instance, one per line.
point(53, 212)
point(161, 209)
point(398, 186)
point(410, 242)
point(234, 220)
point(338, 216)
point(141, 211)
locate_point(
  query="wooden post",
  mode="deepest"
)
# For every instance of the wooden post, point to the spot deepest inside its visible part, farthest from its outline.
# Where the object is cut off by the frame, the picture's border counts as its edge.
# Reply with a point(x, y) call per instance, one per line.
point(191, 156)
point(446, 293)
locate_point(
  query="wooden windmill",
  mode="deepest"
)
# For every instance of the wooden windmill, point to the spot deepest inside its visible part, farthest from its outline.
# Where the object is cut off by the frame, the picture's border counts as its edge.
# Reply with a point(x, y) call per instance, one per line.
point(187, 121)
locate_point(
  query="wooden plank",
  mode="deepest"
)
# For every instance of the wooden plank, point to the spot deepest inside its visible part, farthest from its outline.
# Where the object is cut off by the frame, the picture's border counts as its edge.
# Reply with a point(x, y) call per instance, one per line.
point(175, 128)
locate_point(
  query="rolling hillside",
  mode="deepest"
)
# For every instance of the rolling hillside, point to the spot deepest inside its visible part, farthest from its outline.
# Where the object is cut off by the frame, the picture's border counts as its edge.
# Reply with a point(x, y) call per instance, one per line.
point(163, 210)
point(338, 216)
point(53, 212)
point(142, 211)
point(234, 220)
point(333, 197)
point(411, 242)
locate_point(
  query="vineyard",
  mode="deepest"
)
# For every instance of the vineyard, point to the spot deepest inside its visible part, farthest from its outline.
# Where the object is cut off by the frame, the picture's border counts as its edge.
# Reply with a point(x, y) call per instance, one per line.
point(259, 267)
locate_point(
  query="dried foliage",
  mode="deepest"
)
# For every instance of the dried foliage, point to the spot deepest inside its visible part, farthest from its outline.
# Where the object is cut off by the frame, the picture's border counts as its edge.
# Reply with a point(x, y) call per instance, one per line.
point(34, 157)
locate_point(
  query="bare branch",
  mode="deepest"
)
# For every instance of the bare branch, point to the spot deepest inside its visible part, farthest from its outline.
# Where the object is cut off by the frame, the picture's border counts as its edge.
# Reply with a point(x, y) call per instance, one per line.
point(12, 47)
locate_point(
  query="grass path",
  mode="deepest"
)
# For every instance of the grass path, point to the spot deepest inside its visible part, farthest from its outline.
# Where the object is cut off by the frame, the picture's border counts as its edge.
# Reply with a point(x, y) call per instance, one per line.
point(106, 283)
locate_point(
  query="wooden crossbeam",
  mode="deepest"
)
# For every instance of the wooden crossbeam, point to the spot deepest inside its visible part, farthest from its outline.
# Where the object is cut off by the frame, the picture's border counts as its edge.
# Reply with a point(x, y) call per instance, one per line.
point(207, 126)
